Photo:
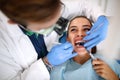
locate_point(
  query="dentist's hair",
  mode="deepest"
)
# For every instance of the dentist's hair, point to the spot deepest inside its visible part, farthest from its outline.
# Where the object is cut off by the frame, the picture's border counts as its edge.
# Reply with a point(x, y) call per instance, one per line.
point(21, 11)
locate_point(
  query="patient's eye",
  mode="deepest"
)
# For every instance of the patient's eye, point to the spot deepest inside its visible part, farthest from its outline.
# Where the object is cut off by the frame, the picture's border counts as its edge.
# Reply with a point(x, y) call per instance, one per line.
point(86, 29)
point(73, 30)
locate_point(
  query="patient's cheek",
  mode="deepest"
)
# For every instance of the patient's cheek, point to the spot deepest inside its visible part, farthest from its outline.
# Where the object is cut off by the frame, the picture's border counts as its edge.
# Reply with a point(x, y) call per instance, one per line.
point(70, 40)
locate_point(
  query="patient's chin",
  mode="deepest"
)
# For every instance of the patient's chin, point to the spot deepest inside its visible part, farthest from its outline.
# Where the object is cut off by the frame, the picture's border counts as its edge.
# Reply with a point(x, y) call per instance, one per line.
point(80, 51)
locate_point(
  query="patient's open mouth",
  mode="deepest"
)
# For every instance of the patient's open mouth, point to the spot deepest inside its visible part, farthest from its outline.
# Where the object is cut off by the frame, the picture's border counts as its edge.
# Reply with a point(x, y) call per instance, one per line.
point(79, 43)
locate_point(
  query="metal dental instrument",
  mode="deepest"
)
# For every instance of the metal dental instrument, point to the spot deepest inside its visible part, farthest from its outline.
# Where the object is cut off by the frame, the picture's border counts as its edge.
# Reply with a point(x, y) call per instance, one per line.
point(91, 55)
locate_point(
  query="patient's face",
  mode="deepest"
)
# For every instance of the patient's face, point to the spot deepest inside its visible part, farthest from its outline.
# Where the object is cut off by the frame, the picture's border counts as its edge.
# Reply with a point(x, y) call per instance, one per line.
point(77, 31)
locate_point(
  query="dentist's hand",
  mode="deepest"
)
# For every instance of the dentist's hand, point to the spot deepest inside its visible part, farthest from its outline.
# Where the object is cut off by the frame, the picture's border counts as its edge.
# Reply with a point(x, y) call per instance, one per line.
point(97, 33)
point(60, 53)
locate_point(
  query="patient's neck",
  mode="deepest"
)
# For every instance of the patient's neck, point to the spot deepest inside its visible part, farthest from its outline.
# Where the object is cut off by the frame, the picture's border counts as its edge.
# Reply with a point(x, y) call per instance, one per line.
point(81, 59)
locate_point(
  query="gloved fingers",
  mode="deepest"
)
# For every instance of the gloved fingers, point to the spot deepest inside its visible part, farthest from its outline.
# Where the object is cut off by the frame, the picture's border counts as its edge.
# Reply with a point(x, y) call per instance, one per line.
point(66, 45)
point(103, 26)
point(101, 30)
point(101, 33)
point(101, 21)
point(63, 46)
point(57, 45)
point(91, 36)
point(99, 27)
point(73, 55)
point(90, 44)
point(69, 50)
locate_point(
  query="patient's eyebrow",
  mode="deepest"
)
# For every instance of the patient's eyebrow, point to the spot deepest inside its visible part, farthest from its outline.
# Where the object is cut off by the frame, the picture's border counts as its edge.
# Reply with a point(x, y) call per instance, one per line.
point(72, 26)
point(87, 26)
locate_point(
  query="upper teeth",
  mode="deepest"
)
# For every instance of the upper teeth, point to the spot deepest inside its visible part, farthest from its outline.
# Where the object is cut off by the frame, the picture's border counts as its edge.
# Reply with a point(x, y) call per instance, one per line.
point(77, 41)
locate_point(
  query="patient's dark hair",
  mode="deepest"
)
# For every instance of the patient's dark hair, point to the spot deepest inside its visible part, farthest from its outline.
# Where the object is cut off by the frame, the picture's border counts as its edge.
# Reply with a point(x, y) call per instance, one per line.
point(21, 11)
point(94, 49)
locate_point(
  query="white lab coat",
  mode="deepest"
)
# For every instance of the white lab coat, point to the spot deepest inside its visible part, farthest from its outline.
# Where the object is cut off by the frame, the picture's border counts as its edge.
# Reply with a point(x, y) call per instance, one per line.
point(18, 58)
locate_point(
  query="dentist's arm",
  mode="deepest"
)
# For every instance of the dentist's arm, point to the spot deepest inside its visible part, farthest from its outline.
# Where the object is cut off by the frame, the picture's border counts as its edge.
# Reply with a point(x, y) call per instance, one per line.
point(60, 53)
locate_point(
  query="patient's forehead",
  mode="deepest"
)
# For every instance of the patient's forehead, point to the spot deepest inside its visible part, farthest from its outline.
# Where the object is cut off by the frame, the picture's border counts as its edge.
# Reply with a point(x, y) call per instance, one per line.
point(80, 20)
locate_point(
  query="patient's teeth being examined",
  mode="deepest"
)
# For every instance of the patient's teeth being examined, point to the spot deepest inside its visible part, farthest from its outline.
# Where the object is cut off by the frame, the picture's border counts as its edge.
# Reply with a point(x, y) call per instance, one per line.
point(79, 43)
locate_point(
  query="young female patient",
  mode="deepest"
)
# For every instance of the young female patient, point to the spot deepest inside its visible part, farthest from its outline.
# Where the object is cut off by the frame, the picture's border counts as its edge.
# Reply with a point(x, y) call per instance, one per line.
point(82, 67)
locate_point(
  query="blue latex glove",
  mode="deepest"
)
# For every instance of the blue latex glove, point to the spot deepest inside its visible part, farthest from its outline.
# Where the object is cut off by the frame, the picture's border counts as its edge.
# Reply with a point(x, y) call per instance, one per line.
point(60, 53)
point(97, 33)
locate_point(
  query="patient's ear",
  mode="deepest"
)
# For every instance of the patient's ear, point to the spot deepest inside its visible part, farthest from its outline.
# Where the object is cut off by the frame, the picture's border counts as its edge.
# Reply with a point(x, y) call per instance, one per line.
point(11, 22)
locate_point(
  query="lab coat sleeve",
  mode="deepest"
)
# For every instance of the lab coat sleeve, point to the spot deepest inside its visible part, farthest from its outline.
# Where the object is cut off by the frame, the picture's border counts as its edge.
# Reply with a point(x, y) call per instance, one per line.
point(13, 63)
point(73, 8)
point(37, 71)
point(10, 70)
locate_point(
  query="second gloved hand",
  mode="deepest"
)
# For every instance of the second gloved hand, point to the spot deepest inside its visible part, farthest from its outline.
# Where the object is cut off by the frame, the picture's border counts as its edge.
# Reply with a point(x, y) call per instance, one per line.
point(60, 53)
point(97, 33)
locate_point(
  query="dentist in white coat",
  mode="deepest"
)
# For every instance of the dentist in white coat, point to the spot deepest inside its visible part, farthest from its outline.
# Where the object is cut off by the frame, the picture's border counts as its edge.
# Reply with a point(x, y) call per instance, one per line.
point(18, 57)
